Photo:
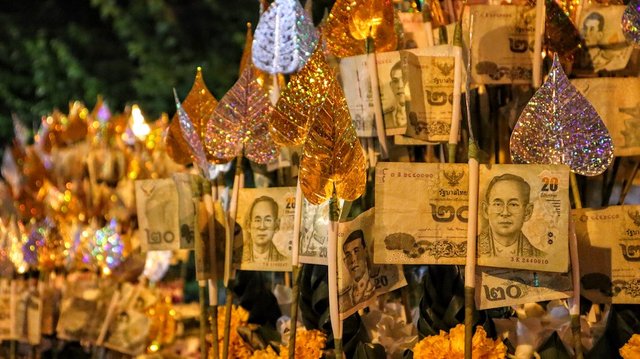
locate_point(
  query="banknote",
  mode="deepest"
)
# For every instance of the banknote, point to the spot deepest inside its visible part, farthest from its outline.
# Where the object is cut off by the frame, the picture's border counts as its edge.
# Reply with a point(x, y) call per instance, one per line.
point(502, 47)
point(187, 187)
point(359, 280)
point(158, 214)
point(609, 247)
point(209, 241)
point(498, 287)
point(394, 91)
point(413, 29)
point(314, 233)
point(355, 78)
point(266, 218)
point(422, 213)
point(403, 140)
point(600, 29)
point(523, 217)
point(616, 101)
point(7, 309)
point(129, 326)
point(431, 87)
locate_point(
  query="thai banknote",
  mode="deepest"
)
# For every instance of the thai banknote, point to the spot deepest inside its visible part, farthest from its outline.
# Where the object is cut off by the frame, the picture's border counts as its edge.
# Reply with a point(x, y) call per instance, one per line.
point(497, 287)
point(7, 309)
point(266, 218)
point(359, 280)
point(609, 253)
point(423, 209)
point(314, 233)
point(158, 214)
point(356, 80)
point(616, 101)
point(502, 44)
point(187, 187)
point(523, 217)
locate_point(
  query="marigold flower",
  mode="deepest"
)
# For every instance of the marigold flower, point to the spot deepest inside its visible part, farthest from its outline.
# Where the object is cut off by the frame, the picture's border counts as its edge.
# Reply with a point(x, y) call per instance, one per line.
point(631, 349)
point(451, 345)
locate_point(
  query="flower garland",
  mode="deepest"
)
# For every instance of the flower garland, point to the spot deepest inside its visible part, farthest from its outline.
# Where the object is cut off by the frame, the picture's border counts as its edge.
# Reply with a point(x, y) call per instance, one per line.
point(451, 345)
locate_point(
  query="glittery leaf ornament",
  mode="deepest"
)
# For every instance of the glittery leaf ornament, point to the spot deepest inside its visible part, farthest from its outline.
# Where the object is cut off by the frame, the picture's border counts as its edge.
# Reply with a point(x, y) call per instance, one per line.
point(352, 21)
point(559, 125)
point(246, 52)
point(284, 38)
point(331, 154)
point(240, 122)
point(560, 33)
point(190, 134)
point(631, 22)
point(300, 100)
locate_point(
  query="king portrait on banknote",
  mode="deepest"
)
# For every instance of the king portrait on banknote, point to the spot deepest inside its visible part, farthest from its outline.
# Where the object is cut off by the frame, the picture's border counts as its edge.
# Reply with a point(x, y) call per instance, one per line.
point(356, 260)
point(263, 223)
point(507, 207)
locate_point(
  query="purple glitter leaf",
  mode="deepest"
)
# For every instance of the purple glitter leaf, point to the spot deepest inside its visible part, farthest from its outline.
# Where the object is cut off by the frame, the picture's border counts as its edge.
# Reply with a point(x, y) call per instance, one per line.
point(631, 22)
point(560, 126)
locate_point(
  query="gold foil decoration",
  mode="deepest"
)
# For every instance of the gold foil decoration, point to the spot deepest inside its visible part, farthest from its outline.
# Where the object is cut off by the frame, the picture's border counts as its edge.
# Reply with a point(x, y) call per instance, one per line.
point(240, 122)
point(352, 21)
point(332, 155)
point(199, 105)
point(300, 100)
point(246, 52)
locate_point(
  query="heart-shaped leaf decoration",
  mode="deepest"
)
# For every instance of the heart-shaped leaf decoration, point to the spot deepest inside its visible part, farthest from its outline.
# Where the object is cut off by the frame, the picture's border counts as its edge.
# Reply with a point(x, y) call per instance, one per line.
point(284, 38)
point(240, 122)
point(560, 126)
point(631, 22)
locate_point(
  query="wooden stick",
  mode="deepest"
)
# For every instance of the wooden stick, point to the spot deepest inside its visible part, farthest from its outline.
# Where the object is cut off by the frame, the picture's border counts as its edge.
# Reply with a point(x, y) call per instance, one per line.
point(609, 181)
point(470, 268)
point(377, 104)
point(295, 260)
point(457, 85)
point(231, 221)
point(332, 261)
point(537, 45)
point(213, 282)
point(274, 95)
point(574, 307)
point(202, 288)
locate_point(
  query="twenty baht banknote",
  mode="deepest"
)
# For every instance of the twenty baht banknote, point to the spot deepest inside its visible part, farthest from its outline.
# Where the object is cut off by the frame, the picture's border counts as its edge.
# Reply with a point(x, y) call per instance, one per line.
point(422, 213)
point(266, 218)
point(359, 280)
point(609, 247)
point(502, 47)
point(617, 101)
point(523, 217)
point(497, 287)
point(314, 233)
point(158, 215)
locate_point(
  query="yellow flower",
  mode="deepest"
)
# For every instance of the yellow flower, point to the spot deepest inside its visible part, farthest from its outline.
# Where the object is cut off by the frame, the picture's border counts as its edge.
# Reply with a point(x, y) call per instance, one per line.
point(267, 353)
point(451, 345)
point(433, 347)
point(309, 345)
point(631, 350)
point(237, 347)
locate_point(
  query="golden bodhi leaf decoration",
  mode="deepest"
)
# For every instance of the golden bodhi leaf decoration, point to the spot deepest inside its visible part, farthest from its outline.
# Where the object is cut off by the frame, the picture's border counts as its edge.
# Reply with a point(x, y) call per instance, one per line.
point(300, 100)
point(199, 105)
point(332, 155)
point(240, 122)
point(352, 21)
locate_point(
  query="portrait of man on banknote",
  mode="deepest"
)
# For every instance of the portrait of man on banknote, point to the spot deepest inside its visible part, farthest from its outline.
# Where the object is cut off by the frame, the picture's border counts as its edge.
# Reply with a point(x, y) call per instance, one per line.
point(262, 224)
point(356, 260)
point(507, 207)
point(605, 43)
point(396, 116)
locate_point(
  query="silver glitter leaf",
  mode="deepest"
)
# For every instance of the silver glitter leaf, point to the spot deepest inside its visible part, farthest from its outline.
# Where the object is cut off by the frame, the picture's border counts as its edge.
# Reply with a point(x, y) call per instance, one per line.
point(284, 38)
point(631, 22)
point(560, 126)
